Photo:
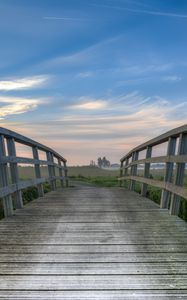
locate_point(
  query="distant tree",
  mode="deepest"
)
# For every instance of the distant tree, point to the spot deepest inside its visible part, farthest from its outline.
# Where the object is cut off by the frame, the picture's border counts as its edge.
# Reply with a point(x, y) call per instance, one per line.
point(99, 162)
point(92, 163)
point(103, 162)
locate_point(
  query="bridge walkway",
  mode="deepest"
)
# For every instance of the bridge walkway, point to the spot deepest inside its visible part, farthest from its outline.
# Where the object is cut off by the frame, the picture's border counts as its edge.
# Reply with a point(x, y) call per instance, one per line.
point(87, 242)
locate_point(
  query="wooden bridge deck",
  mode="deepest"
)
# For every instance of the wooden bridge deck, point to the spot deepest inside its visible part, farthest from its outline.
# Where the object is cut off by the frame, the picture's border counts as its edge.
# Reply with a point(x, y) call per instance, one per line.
point(93, 243)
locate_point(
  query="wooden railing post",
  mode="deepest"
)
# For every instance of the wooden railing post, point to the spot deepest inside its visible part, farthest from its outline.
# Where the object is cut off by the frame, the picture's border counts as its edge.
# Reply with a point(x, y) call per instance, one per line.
point(7, 200)
point(146, 171)
point(126, 164)
point(60, 173)
point(173, 190)
point(121, 172)
point(66, 174)
point(179, 175)
point(37, 171)
point(133, 170)
point(126, 169)
point(51, 171)
point(14, 172)
point(11, 185)
point(165, 198)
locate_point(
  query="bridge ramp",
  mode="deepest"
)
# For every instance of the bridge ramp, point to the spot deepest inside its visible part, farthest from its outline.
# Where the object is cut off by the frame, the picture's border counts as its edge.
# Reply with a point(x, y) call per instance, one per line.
point(87, 242)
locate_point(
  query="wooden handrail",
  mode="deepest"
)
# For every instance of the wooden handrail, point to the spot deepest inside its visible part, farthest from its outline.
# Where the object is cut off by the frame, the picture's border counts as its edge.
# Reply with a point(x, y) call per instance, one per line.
point(172, 189)
point(11, 189)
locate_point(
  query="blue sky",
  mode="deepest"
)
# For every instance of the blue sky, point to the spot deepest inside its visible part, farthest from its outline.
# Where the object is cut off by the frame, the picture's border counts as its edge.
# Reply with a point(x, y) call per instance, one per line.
point(93, 78)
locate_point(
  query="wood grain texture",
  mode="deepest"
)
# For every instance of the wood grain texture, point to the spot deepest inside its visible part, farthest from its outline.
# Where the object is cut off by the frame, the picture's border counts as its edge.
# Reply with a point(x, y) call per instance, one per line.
point(93, 243)
point(173, 190)
point(158, 140)
point(27, 141)
point(11, 188)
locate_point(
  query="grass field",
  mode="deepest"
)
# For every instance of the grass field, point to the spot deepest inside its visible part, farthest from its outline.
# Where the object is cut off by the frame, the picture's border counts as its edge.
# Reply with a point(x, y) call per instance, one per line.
point(89, 171)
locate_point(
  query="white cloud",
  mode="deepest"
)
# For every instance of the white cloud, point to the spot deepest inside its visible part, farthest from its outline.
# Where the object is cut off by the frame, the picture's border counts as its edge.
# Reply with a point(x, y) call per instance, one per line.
point(23, 83)
point(80, 57)
point(143, 11)
point(55, 18)
point(125, 122)
point(172, 78)
point(148, 68)
point(13, 106)
point(85, 74)
point(89, 104)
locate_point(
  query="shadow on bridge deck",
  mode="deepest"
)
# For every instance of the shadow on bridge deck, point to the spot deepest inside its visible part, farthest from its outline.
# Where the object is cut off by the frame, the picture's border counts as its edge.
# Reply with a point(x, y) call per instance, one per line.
point(87, 242)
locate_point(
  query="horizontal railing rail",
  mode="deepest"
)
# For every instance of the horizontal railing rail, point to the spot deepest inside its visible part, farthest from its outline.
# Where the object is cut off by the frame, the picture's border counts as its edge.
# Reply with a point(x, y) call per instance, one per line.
point(11, 185)
point(173, 166)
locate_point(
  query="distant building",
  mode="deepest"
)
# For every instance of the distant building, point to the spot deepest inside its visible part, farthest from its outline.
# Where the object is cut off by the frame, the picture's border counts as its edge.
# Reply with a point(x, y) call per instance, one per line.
point(115, 165)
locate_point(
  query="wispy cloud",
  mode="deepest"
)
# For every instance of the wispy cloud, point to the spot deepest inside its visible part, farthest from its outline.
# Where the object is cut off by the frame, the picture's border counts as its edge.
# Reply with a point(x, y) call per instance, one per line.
point(80, 57)
point(148, 68)
point(13, 105)
point(122, 107)
point(140, 118)
point(172, 78)
point(143, 11)
point(23, 83)
point(55, 18)
point(86, 103)
point(85, 74)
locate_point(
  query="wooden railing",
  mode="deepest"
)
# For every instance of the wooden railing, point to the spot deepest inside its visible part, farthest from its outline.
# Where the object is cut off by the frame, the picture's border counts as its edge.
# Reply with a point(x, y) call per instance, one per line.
point(11, 186)
point(173, 163)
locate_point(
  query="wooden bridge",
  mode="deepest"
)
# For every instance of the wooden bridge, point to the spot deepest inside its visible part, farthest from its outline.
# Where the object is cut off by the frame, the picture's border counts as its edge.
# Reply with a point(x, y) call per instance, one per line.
point(86, 242)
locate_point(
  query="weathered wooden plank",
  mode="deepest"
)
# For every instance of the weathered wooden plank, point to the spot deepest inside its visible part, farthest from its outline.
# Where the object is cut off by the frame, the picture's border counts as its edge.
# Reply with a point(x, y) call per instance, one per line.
point(158, 140)
point(178, 190)
point(69, 209)
point(97, 235)
point(146, 171)
point(120, 282)
point(14, 188)
point(37, 171)
point(95, 295)
point(75, 255)
point(129, 217)
point(48, 228)
point(27, 141)
point(165, 198)
point(171, 190)
point(94, 257)
point(24, 184)
point(64, 202)
point(114, 226)
point(92, 248)
point(25, 160)
point(4, 181)
point(108, 268)
point(17, 196)
point(159, 159)
point(103, 206)
point(179, 177)
point(94, 238)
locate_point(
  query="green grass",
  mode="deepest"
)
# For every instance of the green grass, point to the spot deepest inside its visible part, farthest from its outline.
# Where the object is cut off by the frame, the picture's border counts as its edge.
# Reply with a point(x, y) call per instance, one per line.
point(91, 171)
point(28, 195)
point(103, 181)
point(154, 194)
point(1, 209)
point(183, 210)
